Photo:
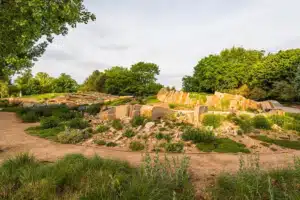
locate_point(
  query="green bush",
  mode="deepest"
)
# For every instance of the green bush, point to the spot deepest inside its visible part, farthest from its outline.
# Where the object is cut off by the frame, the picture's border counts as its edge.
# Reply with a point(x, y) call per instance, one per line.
point(93, 109)
point(174, 147)
point(261, 122)
point(72, 136)
point(138, 121)
point(111, 144)
point(198, 135)
point(222, 145)
point(78, 123)
point(212, 120)
point(136, 146)
point(77, 177)
point(45, 133)
point(277, 119)
point(49, 122)
point(172, 106)
point(100, 142)
point(244, 122)
point(66, 115)
point(102, 128)
point(159, 136)
point(30, 117)
point(4, 103)
point(129, 133)
point(117, 124)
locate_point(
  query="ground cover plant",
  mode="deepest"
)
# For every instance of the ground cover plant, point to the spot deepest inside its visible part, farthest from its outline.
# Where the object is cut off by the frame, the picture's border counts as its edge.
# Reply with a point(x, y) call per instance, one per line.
point(77, 177)
point(243, 121)
point(251, 182)
point(212, 120)
point(174, 147)
point(283, 143)
point(136, 146)
point(261, 122)
point(222, 145)
point(198, 135)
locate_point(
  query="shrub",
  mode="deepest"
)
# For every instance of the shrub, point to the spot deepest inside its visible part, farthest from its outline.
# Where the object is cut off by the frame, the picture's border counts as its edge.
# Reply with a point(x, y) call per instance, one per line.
point(30, 117)
point(4, 103)
point(198, 135)
point(129, 133)
point(78, 123)
point(50, 133)
point(66, 115)
point(102, 128)
point(116, 124)
point(70, 136)
point(49, 122)
point(172, 106)
point(212, 120)
point(174, 147)
point(93, 109)
point(261, 122)
point(100, 142)
point(138, 121)
point(136, 146)
point(244, 122)
point(284, 143)
point(223, 145)
point(159, 136)
point(111, 144)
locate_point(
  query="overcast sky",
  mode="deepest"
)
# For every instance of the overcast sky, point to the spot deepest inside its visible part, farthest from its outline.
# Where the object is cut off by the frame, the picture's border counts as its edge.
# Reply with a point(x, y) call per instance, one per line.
point(175, 34)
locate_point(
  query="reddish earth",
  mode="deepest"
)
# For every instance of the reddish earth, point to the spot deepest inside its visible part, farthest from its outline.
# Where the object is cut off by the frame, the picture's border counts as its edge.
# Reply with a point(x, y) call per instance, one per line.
point(203, 166)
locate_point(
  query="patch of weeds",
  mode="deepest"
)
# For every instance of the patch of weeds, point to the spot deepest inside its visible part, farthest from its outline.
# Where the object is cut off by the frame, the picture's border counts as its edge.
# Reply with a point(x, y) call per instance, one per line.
point(70, 136)
point(174, 147)
point(151, 100)
point(172, 106)
point(117, 124)
point(261, 122)
point(283, 143)
point(244, 122)
point(223, 145)
point(93, 109)
point(129, 133)
point(161, 136)
point(136, 146)
point(162, 129)
point(30, 117)
point(78, 123)
point(138, 121)
point(100, 142)
point(49, 122)
point(111, 144)
point(45, 133)
point(118, 102)
point(198, 135)
point(212, 120)
point(102, 128)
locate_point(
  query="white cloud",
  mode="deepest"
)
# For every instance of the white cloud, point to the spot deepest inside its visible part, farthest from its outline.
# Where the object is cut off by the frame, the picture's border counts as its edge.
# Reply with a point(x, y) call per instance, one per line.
point(174, 34)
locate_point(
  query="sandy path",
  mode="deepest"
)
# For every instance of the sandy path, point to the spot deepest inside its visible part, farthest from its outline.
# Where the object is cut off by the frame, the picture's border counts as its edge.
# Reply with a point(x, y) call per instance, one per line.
point(204, 167)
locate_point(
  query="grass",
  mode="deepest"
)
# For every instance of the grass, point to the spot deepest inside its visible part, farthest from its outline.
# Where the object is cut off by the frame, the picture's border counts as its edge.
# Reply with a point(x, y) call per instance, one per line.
point(117, 124)
point(198, 135)
point(136, 146)
point(45, 133)
point(78, 123)
point(261, 122)
point(111, 144)
point(41, 97)
point(176, 147)
point(212, 120)
point(243, 121)
point(151, 100)
point(118, 102)
point(100, 142)
point(160, 136)
point(251, 182)
point(180, 106)
point(138, 121)
point(283, 143)
point(222, 145)
point(77, 177)
point(102, 128)
point(129, 133)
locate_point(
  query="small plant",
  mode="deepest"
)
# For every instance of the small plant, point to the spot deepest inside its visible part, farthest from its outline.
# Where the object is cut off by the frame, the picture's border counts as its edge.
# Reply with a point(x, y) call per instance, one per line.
point(129, 133)
point(222, 145)
point(111, 144)
point(198, 135)
point(244, 122)
point(102, 128)
point(174, 147)
point(138, 121)
point(79, 123)
point(212, 120)
point(167, 137)
point(116, 124)
point(136, 146)
point(93, 109)
point(70, 136)
point(159, 136)
point(100, 142)
point(172, 106)
point(162, 129)
point(30, 117)
point(49, 122)
point(261, 122)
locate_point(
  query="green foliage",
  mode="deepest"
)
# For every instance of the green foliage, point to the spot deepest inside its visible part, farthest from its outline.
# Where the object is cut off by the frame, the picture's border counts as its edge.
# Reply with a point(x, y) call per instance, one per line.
point(117, 124)
point(151, 100)
point(102, 128)
point(252, 182)
point(30, 117)
point(212, 120)
point(261, 122)
point(172, 105)
point(161, 136)
point(95, 82)
point(283, 91)
point(284, 143)
point(93, 109)
point(45, 133)
point(244, 122)
point(72, 136)
point(198, 135)
point(174, 147)
point(4, 90)
point(100, 142)
point(118, 102)
point(64, 83)
point(136, 146)
point(111, 144)
point(222, 145)
point(78, 123)
point(129, 133)
point(49, 122)
point(28, 27)
point(138, 121)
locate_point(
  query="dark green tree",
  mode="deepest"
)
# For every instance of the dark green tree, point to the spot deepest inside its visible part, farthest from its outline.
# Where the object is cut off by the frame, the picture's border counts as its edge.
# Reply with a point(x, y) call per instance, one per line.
point(64, 83)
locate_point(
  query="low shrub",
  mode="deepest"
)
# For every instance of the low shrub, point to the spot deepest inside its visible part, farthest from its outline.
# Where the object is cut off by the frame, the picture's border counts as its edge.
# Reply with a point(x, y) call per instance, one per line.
point(129, 133)
point(66, 115)
point(244, 122)
point(4, 103)
point(93, 109)
point(102, 128)
point(117, 124)
point(174, 147)
point(72, 136)
point(45, 133)
point(284, 143)
point(223, 145)
point(100, 142)
point(78, 123)
point(138, 121)
point(111, 144)
point(136, 146)
point(30, 117)
point(49, 122)
point(172, 106)
point(212, 120)
point(161, 136)
point(261, 122)
point(278, 119)
point(198, 135)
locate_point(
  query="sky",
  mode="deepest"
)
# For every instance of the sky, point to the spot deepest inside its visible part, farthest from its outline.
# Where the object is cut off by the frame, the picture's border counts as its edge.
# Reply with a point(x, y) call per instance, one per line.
point(174, 34)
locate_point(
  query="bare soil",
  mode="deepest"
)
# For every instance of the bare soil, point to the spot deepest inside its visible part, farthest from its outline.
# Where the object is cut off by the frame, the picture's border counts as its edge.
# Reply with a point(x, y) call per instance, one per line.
point(203, 166)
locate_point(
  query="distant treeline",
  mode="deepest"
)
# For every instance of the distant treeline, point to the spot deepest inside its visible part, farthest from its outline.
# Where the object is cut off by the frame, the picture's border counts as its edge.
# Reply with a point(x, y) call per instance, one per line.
point(251, 73)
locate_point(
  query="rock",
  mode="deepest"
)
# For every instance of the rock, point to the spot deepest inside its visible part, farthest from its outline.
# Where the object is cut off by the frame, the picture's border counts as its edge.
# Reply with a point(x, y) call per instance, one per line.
point(139, 128)
point(149, 126)
point(28, 104)
point(120, 135)
point(276, 127)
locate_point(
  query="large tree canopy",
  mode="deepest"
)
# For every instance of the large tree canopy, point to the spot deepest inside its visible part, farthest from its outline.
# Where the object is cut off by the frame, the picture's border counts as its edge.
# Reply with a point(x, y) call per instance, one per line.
point(263, 75)
point(27, 26)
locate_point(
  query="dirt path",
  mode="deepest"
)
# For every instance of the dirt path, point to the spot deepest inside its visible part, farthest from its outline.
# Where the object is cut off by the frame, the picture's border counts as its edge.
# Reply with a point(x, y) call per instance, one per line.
point(204, 167)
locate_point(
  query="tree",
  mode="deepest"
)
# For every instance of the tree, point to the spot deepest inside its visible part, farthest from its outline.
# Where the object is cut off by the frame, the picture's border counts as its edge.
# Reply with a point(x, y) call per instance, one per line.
point(64, 83)
point(45, 81)
point(95, 82)
point(118, 80)
point(283, 91)
point(297, 82)
point(3, 89)
point(22, 82)
point(27, 27)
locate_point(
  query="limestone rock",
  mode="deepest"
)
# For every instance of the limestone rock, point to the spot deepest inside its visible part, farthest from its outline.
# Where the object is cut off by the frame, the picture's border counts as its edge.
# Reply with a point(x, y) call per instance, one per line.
point(149, 126)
